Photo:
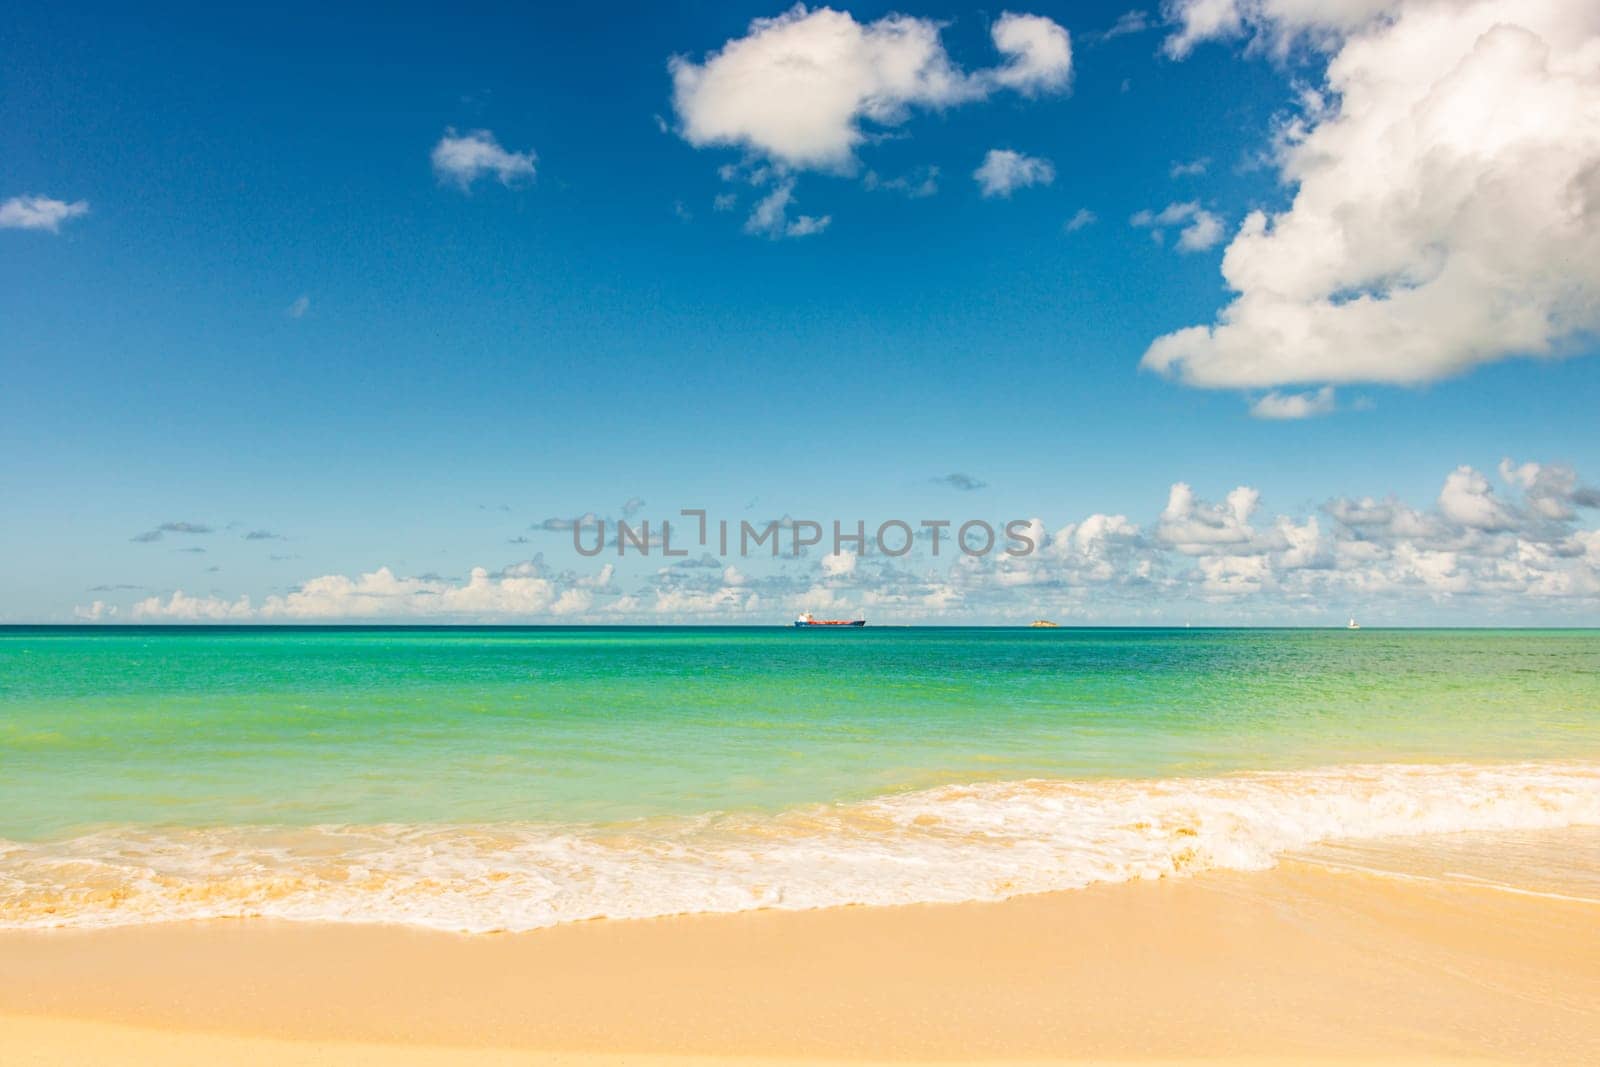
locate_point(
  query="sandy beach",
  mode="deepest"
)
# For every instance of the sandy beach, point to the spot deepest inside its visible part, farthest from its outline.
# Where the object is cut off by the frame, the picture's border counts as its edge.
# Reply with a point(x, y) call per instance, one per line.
point(800, 533)
point(1296, 965)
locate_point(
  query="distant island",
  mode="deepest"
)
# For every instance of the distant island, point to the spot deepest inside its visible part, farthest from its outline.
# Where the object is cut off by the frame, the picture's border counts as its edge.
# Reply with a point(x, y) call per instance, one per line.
point(1042, 624)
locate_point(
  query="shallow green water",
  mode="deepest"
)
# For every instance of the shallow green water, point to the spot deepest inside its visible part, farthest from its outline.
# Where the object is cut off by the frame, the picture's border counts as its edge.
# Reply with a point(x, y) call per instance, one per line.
point(210, 727)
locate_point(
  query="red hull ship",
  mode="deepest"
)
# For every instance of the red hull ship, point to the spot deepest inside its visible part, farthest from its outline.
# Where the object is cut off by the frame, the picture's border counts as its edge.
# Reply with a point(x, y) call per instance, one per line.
point(807, 621)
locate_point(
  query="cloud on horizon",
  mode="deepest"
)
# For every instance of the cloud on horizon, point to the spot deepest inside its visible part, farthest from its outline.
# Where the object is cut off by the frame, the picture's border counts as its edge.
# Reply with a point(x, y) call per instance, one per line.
point(1479, 551)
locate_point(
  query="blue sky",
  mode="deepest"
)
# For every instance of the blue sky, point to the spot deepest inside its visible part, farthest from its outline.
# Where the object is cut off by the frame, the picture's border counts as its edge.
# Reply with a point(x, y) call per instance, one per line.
point(238, 291)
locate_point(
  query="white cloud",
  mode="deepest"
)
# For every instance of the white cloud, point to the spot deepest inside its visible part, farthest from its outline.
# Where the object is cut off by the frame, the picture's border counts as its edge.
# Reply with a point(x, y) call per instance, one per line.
point(1039, 51)
point(298, 309)
point(1194, 528)
point(806, 225)
point(382, 594)
point(798, 88)
point(461, 159)
point(1468, 499)
point(1004, 171)
point(693, 591)
point(39, 213)
point(1551, 491)
point(181, 607)
point(1200, 20)
point(770, 216)
point(1191, 169)
point(1274, 24)
point(1446, 208)
point(523, 589)
point(836, 564)
point(1203, 232)
point(1200, 228)
point(1081, 219)
point(1472, 552)
point(1526, 550)
point(1277, 405)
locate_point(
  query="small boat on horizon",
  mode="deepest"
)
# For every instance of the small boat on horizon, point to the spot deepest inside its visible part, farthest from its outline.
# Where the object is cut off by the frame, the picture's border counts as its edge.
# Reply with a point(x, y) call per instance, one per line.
point(1352, 624)
point(806, 620)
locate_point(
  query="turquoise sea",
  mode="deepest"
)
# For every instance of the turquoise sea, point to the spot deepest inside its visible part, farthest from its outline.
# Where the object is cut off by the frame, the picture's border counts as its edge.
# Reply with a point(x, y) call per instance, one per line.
point(483, 779)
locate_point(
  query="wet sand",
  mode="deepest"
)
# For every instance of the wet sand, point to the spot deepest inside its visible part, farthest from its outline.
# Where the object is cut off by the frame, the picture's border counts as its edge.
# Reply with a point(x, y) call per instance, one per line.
point(1296, 965)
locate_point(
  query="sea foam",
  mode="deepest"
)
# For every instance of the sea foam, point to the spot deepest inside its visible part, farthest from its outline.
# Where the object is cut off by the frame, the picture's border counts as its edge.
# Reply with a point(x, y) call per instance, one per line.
point(976, 842)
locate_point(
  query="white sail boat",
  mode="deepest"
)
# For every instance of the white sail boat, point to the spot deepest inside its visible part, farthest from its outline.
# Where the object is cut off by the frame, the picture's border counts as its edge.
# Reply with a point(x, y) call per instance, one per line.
point(1352, 624)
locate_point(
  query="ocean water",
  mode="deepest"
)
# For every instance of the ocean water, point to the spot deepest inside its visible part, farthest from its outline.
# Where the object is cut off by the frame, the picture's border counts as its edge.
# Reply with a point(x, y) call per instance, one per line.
point(505, 779)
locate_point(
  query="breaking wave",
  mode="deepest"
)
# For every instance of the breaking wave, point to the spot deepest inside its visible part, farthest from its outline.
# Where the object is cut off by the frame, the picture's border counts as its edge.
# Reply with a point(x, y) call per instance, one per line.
point(952, 843)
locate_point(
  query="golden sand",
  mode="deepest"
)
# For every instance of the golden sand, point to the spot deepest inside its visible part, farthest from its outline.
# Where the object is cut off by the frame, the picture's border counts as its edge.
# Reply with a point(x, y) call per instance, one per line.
point(1296, 965)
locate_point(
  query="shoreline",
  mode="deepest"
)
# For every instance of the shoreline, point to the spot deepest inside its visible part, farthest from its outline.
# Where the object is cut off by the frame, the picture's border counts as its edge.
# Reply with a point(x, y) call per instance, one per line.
point(935, 843)
point(1298, 964)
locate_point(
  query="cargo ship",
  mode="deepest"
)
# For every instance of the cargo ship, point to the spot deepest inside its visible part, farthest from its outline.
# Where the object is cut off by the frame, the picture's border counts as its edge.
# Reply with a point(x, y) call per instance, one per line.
point(807, 620)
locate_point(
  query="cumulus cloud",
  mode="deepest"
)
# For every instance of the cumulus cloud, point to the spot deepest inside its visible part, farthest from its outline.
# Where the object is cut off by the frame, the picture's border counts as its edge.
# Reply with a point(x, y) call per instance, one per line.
point(803, 88)
point(181, 607)
point(383, 594)
point(1515, 544)
point(837, 564)
point(1038, 51)
point(39, 213)
point(1195, 528)
point(522, 589)
point(1477, 552)
point(1473, 551)
point(1272, 25)
point(1446, 196)
point(1469, 500)
point(1200, 229)
point(1276, 405)
point(461, 159)
point(1004, 171)
point(1552, 490)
